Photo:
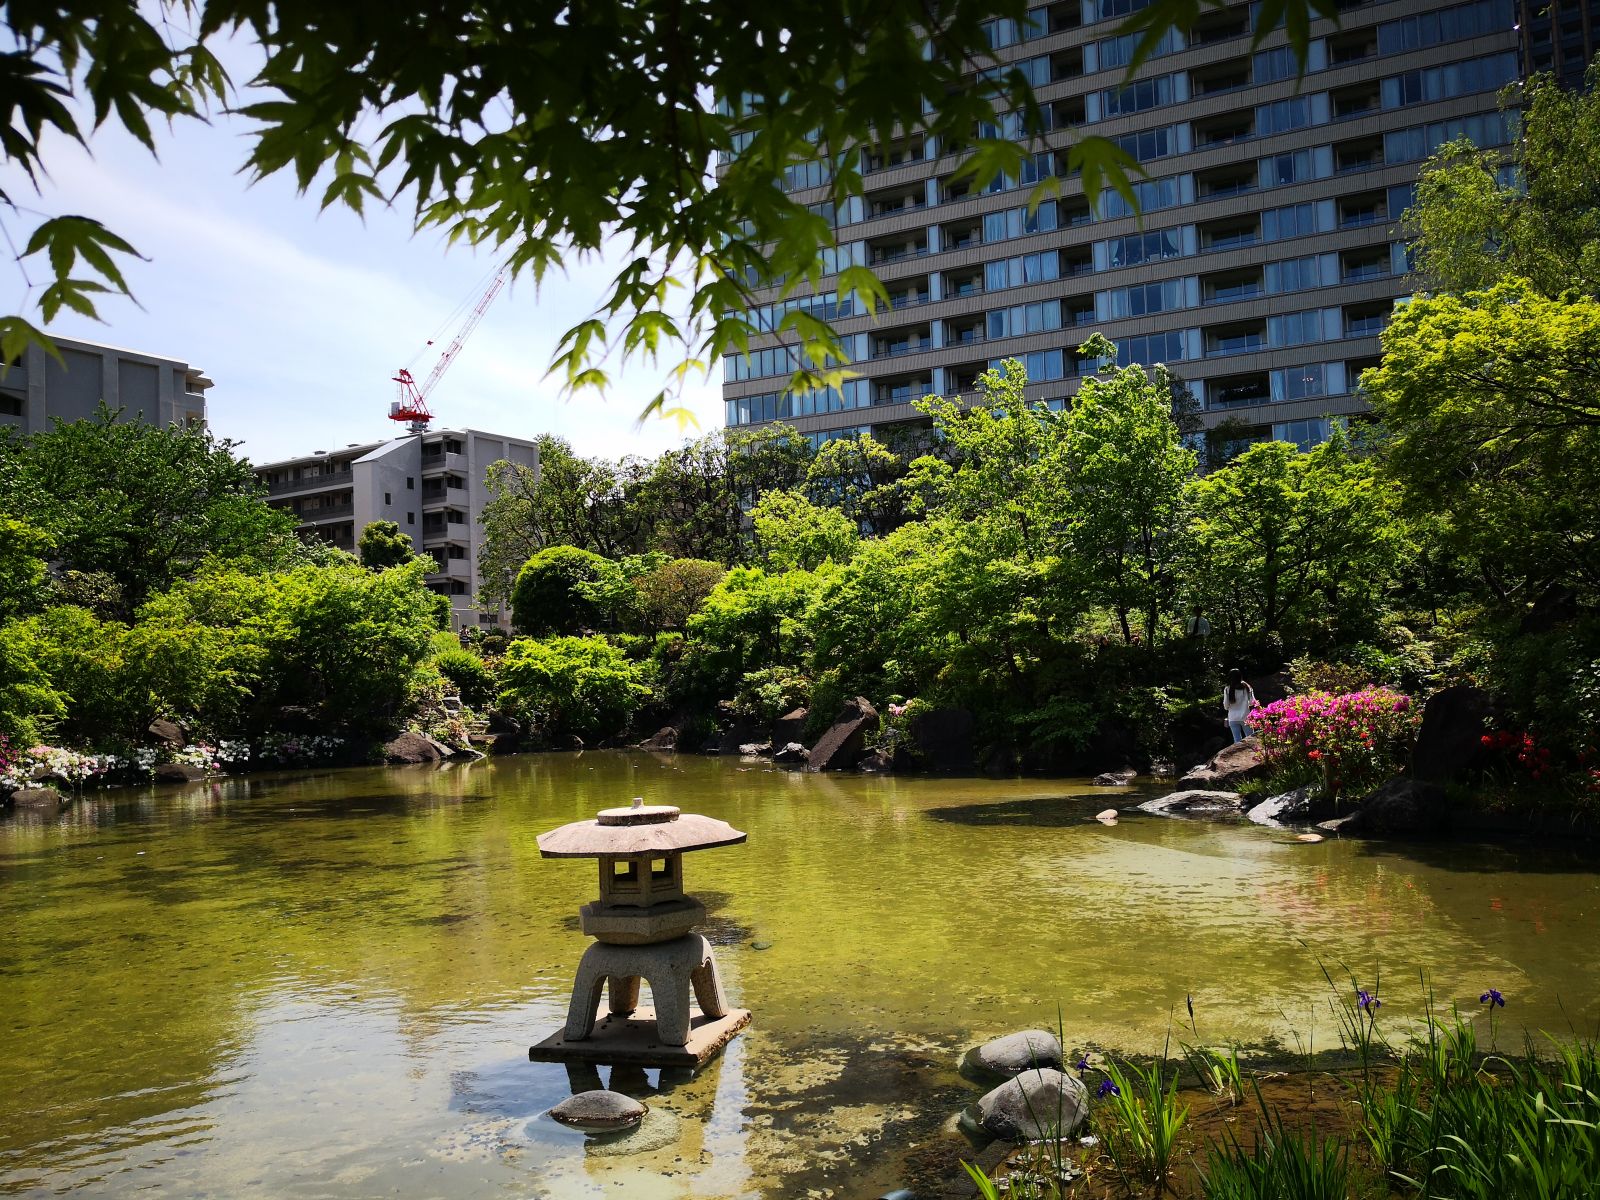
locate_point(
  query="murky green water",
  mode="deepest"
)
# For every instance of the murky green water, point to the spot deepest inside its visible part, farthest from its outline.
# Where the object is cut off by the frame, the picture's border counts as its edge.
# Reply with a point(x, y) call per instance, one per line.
point(326, 984)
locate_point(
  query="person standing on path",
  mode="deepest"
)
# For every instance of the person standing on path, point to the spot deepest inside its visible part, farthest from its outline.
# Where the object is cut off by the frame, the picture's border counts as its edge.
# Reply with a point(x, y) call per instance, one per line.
point(1237, 700)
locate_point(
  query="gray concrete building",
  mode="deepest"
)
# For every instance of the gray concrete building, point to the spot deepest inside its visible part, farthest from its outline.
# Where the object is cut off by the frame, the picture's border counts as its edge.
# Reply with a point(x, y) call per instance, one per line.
point(430, 484)
point(1264, 259)
point(150, 387)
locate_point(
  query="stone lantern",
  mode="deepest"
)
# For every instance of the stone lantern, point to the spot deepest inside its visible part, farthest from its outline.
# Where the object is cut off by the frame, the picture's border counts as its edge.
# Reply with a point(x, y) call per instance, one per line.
point(643, 926)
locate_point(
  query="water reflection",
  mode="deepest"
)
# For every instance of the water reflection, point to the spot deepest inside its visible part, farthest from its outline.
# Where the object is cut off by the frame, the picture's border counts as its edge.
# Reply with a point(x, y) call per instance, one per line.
point(325, 982)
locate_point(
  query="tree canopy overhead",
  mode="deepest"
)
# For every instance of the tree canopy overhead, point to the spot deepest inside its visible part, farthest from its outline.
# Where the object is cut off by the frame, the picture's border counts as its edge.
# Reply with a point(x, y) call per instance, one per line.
point(544, 131)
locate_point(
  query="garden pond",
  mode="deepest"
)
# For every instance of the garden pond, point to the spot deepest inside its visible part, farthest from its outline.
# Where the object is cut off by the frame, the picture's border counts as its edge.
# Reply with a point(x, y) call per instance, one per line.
point(324, 983)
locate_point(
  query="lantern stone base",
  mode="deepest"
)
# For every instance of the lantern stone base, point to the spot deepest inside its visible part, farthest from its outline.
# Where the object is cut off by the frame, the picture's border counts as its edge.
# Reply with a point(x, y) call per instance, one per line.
point(632, 1041)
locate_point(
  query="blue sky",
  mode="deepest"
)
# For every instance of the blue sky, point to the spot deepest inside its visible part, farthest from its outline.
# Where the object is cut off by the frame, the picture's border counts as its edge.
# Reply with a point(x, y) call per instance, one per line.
point(301, 318)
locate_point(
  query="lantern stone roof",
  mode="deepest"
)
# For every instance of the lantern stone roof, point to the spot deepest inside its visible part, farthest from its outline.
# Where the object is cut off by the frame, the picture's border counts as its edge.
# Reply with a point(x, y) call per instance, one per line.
point(639, 830)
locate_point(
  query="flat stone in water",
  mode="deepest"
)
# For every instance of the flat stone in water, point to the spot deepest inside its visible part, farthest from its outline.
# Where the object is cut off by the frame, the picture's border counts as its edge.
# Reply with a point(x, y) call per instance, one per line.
point(761, 945)
point(1014, 1054)
point(599, 1112)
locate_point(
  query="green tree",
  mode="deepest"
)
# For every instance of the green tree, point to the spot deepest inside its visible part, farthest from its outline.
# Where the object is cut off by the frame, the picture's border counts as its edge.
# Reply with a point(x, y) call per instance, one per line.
point(383, 545)
point(697, 494)
point(1478, 224)
point(865, 480)
point(671, 593)
point(792, 533)
point(1493, 431)
point(563, 589)
point(340, 642)
point(22, 567)
point(142, 505)
point(581, 685)
point(471, 677)
point(1128, 471)
point(752, 620)
point(567, 500)
point(1293, 551)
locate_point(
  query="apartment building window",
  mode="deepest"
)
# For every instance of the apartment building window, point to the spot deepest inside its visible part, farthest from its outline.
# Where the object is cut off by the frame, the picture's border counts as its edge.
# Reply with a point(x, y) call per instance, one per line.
point(1304, 434)
point(1295, 329)
point(411, 518)
point(1035, 70)
point(1446, 25)
point(1293, 274)
point(1154, 348)
point(1041, 317)
point(1146, 298)
point(1024, 269)
point(1034, 168)
point(806, 175)
point(411, 483)
point(1041, 365)
point(1273, 65)
point(1136, 97)
point(1150, 195)
point(1118, 51)
point(1486, 131)
point(1106, 9)
point(1454, 79)
point(1280, 170)
point(1281, 116)
point(386, 500)
point(1015, 222)
point(1151, 144)
point(1292, 220)
point(1299, 383)
point(1143, 247)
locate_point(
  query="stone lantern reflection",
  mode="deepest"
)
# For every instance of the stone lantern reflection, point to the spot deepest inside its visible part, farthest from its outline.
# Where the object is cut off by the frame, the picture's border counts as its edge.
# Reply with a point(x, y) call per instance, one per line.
point(643, 926)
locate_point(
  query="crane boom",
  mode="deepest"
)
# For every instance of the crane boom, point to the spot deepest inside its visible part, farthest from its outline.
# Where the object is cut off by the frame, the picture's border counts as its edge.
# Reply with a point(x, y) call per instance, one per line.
point(412, 405)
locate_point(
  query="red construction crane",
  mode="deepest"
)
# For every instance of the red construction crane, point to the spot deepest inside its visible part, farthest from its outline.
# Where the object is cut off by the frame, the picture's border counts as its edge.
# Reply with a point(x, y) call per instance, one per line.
point(412, 406)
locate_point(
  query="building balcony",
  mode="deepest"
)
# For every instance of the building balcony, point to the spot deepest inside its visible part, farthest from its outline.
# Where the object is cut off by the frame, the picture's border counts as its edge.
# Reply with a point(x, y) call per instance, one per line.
point(310, 483)
point(316, 516)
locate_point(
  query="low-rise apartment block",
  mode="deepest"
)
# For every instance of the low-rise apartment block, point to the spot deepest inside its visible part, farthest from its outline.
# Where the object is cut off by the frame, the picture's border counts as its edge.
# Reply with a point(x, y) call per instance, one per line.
point(39, 386)
point(432, 485)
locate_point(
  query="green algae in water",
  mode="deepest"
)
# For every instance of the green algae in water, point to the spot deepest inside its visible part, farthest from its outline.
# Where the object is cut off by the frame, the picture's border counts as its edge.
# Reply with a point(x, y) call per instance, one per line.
point(324, 983)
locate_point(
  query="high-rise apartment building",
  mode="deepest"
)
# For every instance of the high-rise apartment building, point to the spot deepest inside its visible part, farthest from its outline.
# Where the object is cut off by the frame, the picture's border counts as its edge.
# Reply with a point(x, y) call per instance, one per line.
point(1263, 259)
point(432, 485)
point(1559, 37)
point(70, 384)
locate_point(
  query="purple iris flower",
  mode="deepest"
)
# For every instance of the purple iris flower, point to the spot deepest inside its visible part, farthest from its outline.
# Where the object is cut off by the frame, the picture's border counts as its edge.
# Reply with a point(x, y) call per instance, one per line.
point(1082, 1064)
point(1107, 1088)
point(1366, 1000)
point(1492, 998)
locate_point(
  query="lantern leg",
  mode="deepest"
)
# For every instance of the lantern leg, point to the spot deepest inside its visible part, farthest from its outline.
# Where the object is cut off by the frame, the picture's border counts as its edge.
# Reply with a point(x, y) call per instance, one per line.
point(708, 988)
point(585, 1004)
point(623, 996)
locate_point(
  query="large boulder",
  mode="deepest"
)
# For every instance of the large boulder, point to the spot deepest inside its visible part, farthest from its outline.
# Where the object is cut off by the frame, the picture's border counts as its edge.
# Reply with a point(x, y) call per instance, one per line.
point(1303, 805)
point(37, 797)
point(1403, 807)
point(790, 727)
point(879, 761)
point(1450, 742)
point(167, 733)
point(792, 754)
point(942, 739)
point(664, 740)
point(177, 773)
point(1120, 778)
point(1228, 767)
point(1195, 800)
point(1009, 1056)
point(1038, 1104)
point(500, 722)
point(411, 748)
point(842, 746)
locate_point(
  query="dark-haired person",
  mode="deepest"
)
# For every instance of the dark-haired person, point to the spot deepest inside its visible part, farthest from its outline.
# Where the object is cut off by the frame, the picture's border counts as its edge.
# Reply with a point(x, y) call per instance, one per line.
point(1237, 700)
